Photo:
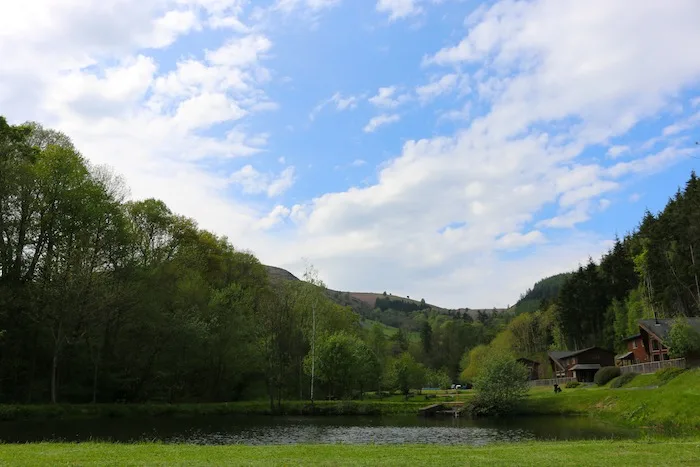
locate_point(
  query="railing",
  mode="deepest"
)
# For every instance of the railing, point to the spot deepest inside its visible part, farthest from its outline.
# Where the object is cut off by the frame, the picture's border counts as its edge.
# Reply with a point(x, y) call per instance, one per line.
point(551, 382)
point(652, 367)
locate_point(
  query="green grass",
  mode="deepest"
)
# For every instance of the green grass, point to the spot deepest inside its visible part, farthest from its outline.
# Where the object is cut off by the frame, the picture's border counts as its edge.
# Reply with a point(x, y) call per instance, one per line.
point(578, 453)
point(672, 407)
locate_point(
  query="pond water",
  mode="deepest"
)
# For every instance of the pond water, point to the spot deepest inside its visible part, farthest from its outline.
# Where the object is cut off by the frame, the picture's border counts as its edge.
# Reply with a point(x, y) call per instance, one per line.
point(216, 430)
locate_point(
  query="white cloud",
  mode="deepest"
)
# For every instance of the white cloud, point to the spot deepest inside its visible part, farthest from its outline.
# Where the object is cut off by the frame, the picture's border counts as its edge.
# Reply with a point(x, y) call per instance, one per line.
point(253, 182)
point(380, 120)
point(398, 9)
point(550, 79)
point(385, 98)
point(276, 216)
point(605, 66)
point(341, 104)
point(616, 151)
point(634, 197)
point(436, 88)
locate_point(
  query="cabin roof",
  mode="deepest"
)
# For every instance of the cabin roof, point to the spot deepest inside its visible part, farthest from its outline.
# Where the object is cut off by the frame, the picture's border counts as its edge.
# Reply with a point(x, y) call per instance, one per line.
point(661, 327)
point(624, 356)
point(562, 354)
point(586, 366)
point(631, 338)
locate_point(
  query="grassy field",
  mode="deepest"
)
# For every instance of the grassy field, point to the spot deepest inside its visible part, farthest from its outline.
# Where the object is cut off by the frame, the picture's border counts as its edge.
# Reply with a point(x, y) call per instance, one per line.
point(579, 453)
point(672, 406)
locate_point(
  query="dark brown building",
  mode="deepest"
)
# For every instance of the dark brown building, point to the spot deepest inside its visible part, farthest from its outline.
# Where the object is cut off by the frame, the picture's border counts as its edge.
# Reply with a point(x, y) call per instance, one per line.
point(532, 366)
point(580, 364)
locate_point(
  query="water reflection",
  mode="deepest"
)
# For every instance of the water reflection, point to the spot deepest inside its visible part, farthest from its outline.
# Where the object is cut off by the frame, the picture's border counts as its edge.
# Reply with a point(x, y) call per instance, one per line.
point(216, 430)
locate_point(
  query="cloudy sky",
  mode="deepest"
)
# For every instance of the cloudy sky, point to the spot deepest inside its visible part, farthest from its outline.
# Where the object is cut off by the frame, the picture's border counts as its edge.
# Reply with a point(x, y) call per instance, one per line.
point(446, 149)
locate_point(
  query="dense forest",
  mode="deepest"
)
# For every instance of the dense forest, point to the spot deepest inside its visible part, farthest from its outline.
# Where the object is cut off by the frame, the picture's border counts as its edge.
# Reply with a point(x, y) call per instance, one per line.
point(107, 299)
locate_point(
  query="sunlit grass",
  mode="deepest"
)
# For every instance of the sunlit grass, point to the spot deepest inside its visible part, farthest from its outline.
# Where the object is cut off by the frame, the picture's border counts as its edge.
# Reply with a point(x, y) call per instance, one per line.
point(672, 406)
point(559, 453)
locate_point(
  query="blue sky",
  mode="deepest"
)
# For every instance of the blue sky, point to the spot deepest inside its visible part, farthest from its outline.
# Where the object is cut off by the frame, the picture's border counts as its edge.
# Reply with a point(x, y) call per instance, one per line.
point(452, 150)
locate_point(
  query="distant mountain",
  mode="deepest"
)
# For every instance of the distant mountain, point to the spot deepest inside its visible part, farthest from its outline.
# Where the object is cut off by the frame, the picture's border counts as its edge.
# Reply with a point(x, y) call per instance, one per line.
point(362, 302)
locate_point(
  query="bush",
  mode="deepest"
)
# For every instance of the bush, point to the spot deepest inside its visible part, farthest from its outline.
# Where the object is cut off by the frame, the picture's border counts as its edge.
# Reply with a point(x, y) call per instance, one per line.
point(667, 374)
point(622, 380)
point(572, 385)
point(500, 385)
point(605, 374)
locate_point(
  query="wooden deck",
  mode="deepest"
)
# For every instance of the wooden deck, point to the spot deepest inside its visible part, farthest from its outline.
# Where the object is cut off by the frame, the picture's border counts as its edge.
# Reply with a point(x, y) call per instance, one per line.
point(452, 410)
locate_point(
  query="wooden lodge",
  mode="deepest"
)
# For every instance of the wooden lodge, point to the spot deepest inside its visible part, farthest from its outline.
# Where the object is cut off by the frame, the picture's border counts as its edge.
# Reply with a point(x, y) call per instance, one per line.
point(580, 364)
point(649, 345)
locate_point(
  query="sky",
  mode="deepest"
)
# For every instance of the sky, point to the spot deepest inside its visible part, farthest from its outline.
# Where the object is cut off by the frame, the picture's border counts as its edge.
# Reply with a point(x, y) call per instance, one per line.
point(451, 150)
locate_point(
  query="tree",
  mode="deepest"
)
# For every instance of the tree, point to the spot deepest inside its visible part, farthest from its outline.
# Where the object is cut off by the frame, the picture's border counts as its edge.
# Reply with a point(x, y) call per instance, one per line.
point(337, 364)
point(500, 384)
point(683, 339)
point(426, 336)
point(406, 374)
point(367, 368)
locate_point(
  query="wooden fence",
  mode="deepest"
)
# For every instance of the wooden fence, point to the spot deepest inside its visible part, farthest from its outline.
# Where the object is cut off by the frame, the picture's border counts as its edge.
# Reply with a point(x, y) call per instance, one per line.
point(653, 367)
point(551, 382)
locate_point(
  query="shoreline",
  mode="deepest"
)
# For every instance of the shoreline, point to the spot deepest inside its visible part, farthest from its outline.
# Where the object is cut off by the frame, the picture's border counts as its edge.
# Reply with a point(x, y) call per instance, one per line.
point(671, 407)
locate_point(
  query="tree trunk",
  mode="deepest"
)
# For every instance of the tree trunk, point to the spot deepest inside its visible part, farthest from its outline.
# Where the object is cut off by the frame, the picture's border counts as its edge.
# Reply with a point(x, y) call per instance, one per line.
point(58, 338)
point(697, 284)
point(54, 371)
point(96, 369)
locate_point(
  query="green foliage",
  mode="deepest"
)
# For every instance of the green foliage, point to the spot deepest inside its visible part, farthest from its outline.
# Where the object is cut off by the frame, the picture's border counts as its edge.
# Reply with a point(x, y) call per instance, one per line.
point(683, 340)
point(404, 374)
point(605, 375)
point(622, 380)
point(572, 385)
point(500, 385)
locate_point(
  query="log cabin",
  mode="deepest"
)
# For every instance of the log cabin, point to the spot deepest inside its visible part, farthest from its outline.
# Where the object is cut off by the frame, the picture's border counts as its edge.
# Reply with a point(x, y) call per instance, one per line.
point(580, 364)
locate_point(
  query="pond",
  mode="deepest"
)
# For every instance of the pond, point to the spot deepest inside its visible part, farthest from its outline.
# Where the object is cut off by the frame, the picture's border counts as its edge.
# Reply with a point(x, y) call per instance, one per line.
point(215, 430)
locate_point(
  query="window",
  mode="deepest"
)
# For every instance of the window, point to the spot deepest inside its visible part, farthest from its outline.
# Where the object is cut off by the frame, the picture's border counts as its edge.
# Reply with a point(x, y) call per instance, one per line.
point(655, 344)
point(665, 356)
point(656, 358)
point(634, 344)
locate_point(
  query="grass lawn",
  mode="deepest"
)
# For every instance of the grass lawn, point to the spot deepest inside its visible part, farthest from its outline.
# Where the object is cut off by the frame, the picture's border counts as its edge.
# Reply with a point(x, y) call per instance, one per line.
point(579, 453)
point(672, 406)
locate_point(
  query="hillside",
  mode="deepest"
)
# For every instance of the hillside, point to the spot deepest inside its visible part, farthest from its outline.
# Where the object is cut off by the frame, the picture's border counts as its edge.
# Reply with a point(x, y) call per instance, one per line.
point(546, 290)
point(364, 302)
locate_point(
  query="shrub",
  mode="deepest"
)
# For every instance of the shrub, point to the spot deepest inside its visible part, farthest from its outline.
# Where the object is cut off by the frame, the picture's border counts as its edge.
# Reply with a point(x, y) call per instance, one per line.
point(605, 374)
point(572, 384)
point(500, 385)
point(622, 380)
point(667, 374)
point(683, 339)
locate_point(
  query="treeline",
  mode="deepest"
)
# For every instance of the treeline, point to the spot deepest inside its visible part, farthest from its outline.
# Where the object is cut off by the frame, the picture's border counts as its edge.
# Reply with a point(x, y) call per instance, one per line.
point(106, 299)
point(386, 303)
point(103, 299)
